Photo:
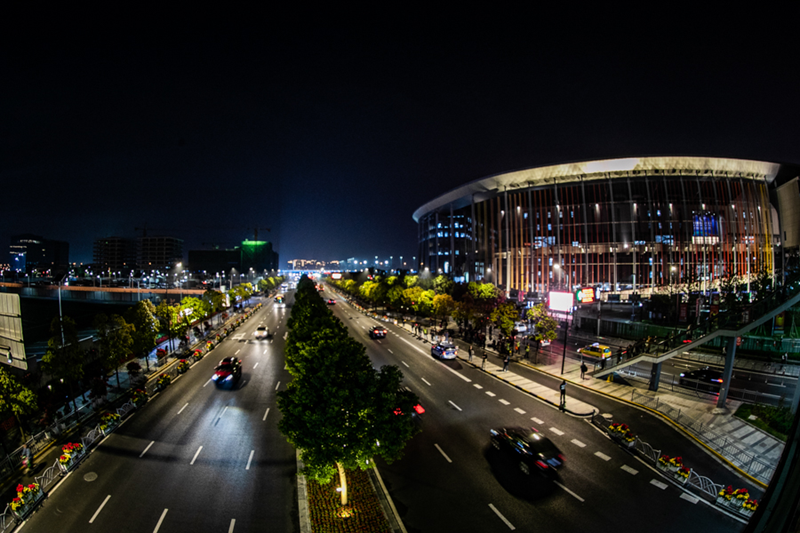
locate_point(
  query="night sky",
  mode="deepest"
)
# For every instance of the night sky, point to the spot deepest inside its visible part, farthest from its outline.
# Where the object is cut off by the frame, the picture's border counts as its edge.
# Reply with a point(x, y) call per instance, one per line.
point(332, 128)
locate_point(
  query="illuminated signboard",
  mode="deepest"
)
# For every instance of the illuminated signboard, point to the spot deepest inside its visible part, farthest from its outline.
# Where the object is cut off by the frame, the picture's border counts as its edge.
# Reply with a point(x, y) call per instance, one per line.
point(585, 296)
point(560, 301)
point(336, 275)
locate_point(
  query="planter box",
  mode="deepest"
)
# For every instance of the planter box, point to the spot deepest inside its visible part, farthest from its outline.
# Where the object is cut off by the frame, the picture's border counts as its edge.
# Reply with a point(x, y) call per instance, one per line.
point(680, 479)
point(73, 461)
point(24, 510)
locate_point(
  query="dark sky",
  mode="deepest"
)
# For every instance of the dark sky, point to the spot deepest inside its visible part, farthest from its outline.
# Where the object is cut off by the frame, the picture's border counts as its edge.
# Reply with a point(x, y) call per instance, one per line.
point(332, 128)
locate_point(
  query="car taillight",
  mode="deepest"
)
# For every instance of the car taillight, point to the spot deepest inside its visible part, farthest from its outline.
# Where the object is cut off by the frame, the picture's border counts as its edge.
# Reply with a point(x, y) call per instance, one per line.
point(419, 409)
point(561, 458)
point(542, 464)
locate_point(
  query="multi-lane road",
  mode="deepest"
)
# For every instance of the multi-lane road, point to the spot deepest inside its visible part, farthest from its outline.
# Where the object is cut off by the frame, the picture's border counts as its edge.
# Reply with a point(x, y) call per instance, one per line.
point(451, 480)
point(195, 458)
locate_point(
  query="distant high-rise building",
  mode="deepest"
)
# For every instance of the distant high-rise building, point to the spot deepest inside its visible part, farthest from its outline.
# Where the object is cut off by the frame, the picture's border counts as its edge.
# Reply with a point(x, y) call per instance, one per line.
point(30, 252)
point(115, 253)
point(158, 252)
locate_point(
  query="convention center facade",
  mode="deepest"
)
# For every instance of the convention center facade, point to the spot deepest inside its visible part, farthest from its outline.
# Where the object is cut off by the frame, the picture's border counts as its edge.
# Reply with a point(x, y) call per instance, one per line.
point(622, 225)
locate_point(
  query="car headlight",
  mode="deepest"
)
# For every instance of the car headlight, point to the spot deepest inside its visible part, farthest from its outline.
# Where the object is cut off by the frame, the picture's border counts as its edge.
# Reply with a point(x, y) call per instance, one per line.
point(215, 377)
point(230, 377)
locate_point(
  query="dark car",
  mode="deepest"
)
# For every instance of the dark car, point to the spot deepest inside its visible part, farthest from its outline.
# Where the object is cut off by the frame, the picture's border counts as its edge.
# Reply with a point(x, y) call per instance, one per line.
point(377, 332)
point(706, 378)
point(227, 372)
point(530, 449)
point(444, 350)
point(331, 301)
point(417, 410)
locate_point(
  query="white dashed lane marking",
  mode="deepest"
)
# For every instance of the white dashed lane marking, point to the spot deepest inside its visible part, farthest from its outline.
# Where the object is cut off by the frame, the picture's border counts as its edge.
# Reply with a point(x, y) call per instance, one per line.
point(557, 431)
point(490, 393)
point(477, 386)
point(578, 443)
point(537, 420)
point(454, 405)
point(501, 517)
point(658, 484)
point(426, 381)
point(689, 498)
point(442, 452)
point(520, 411)
point(602, 456)
point(569, 491)
point(629, 470)
point(406, 364)
point(504, 402)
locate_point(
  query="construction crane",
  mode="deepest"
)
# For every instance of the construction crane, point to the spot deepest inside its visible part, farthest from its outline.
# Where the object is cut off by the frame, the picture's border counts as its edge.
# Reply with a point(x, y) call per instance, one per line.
point(255, 233)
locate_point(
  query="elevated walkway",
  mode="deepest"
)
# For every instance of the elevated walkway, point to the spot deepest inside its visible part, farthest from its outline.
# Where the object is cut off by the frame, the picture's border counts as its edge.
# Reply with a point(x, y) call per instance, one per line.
point(735, 324)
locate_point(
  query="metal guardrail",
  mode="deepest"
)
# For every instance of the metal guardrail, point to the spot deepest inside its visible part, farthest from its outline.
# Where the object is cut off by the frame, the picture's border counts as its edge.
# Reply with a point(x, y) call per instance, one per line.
point(744, 459)
point(49, 475)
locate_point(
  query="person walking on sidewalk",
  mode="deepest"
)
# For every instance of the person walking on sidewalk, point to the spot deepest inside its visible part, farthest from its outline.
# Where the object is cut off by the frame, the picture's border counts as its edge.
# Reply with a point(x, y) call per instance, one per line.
point(563, 389)
point(506, 359)
point(584, 368)
point(27, 459)
point(470, 353)
point(528, 352)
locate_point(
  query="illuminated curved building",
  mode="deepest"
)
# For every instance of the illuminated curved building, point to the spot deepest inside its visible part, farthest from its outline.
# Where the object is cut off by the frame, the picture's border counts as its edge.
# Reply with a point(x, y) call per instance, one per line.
point(623, 224)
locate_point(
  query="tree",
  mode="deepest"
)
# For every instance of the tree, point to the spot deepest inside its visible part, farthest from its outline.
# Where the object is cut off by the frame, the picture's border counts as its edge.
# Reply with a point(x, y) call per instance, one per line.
point(115, 341)
point(544, 325)
point(443, 305)
point(64, 357)
point(443, 285)
point(504, 316)
point(15, 397)
point(213, 300)
point(338, 410)
point(145, 328)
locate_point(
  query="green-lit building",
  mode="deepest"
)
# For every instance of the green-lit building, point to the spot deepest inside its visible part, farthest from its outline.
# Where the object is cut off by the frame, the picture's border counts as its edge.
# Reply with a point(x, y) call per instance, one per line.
point(256, 255)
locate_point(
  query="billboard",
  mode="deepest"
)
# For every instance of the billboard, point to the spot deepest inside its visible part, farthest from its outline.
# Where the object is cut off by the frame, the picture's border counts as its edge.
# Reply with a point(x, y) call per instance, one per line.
point(705, 229)
point(560, 301)
point(585, 296)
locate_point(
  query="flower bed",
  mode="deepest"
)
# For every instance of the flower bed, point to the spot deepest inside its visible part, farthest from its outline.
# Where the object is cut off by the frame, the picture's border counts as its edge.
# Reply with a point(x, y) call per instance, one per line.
point(108, 422)
point(622, 433)
point(362, 513)
point(737, 500)
point(163, 381)
point(183, 366)
point(28, 497)
point(71, 454)
point(139, 397)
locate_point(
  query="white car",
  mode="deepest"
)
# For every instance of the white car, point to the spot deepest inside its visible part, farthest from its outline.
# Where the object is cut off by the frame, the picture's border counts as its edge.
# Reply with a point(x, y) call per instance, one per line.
point(262, 332)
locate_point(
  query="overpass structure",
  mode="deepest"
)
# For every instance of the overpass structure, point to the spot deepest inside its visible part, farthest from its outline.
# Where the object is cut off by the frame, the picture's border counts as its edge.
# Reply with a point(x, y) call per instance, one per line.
point(730, 325)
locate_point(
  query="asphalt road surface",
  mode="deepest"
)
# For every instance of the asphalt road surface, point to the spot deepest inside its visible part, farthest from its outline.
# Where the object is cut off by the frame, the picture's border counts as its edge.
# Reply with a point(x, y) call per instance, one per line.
point(450, 479)
point(195, 458)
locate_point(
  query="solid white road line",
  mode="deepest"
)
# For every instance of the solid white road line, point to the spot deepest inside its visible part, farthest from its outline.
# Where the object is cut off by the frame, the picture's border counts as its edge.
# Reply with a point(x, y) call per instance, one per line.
point(503, 518)
point(520, 411)
point(233, 523)
point(569, 491)
point(254, 366)
point(629, 470)
point(658, 484)
point(207, 382)
point(537, 420)
point(177, 378)
point(454, 405)
point(195, 455)
point(97, 512)
point(602, 456)
point(557, 431)
point(477, 386)
point(148, 447)
point(490, 393)
point(265, 415)
point(160, 520)
point(405, 364)
point(504, 402)
point(278, 385)
point(250, 459)
point(442, 452)
point(184, 407)
point(578, 443)
point(426, 382)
